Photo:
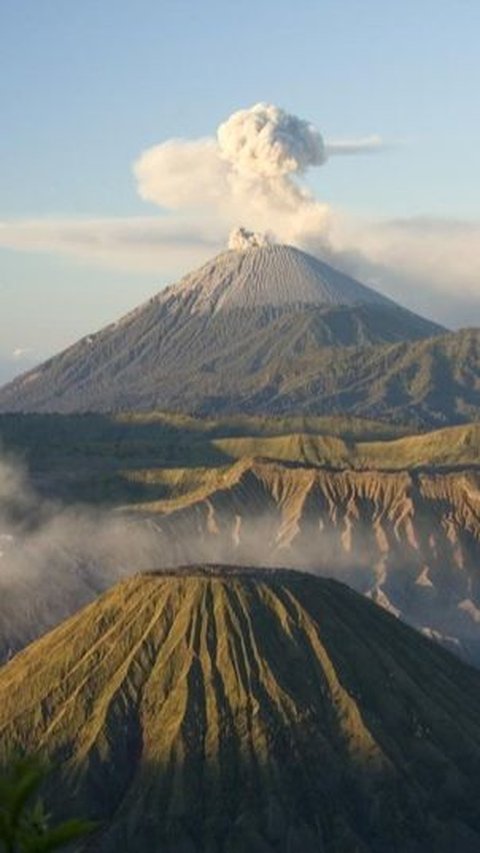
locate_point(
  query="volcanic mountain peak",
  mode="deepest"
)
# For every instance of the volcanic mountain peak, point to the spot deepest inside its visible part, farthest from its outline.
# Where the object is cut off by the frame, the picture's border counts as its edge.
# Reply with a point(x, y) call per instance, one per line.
point(214, 709)
point(270, 274)
point(231, 335)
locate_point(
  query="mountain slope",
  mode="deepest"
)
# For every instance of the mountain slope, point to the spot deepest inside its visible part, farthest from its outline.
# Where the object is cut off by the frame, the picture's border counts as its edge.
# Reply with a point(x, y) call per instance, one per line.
point(410, 541)
point(250, 712)
point(399, 520)
point(441, 449)
point(118, 459)
point(232, 329)
point(271, 275)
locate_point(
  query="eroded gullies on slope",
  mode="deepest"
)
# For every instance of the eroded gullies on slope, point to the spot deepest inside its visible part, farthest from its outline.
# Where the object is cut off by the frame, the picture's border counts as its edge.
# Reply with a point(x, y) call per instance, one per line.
point(209, 709)
point(242, 333)
point(402, 527)
point(409, 541)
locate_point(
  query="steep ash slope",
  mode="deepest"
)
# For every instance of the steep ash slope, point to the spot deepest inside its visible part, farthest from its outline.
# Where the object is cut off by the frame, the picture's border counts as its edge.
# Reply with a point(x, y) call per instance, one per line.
point(250, 712)
point(271, 275)
point(222, 339)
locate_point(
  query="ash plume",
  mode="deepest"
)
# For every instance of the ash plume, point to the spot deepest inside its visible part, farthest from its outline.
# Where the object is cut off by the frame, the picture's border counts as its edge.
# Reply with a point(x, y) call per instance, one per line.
point(367, 145)
point(254, 170)
point(241, 239)
point(269, 142)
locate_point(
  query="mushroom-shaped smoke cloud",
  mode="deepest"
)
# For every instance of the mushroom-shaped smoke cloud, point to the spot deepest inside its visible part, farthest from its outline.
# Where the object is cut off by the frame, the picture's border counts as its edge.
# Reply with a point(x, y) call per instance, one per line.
point(254, 170)
point(250, 172)
point(241, 239)
point(267, 141)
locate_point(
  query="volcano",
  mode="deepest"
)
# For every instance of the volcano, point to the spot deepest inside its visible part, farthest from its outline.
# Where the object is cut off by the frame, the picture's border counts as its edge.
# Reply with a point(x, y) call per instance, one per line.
point(214, 709)
point(232, 335)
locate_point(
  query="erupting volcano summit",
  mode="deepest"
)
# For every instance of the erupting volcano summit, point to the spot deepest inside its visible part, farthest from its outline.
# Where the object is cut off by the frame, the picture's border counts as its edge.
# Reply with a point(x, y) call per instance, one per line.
point(244, 332)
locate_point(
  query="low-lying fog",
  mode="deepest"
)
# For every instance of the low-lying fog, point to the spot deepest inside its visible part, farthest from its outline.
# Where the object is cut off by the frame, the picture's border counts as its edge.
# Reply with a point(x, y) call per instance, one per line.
point(56, 558)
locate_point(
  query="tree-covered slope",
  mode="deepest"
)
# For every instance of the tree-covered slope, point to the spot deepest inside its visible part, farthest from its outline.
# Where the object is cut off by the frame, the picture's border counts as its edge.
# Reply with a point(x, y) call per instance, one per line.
point(430, 383)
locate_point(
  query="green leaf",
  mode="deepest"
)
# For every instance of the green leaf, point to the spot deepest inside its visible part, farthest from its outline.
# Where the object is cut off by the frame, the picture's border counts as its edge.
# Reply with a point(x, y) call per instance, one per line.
point(26, 786)
point(59, 836)
point(24, 828)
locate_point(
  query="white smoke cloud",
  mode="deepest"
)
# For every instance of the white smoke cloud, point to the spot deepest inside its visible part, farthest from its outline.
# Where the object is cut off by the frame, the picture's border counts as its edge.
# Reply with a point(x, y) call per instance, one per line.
point(181, 174)
point(269, 142)
point(55, 558)
point(254, 172)
point(250, 173)
point(161, 244)
point(431, 265)
point(241, 239)
point(367, 145)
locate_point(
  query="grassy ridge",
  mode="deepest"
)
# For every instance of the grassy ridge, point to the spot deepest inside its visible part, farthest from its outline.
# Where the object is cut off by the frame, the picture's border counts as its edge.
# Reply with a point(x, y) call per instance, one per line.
point(131, 457)
point(103, 458)
point(441, 448)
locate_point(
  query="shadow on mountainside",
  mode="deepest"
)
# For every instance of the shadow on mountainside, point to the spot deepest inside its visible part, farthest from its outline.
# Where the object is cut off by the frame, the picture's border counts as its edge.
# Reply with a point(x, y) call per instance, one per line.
point(254, 712)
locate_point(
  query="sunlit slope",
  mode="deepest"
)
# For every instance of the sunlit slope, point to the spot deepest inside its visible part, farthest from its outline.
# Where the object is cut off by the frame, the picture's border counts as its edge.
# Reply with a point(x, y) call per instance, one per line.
point(250, 713)
point(409, 540)
point(398, 518)
point(456, 448)
point(442, 448)
point(132, 458)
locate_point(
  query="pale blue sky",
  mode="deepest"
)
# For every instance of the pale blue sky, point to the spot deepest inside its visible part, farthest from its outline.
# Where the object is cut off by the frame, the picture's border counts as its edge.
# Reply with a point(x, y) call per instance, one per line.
point(86, 86)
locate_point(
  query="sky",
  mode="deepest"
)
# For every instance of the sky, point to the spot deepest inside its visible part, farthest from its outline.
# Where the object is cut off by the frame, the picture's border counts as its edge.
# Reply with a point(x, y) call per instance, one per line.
point(86, 89)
